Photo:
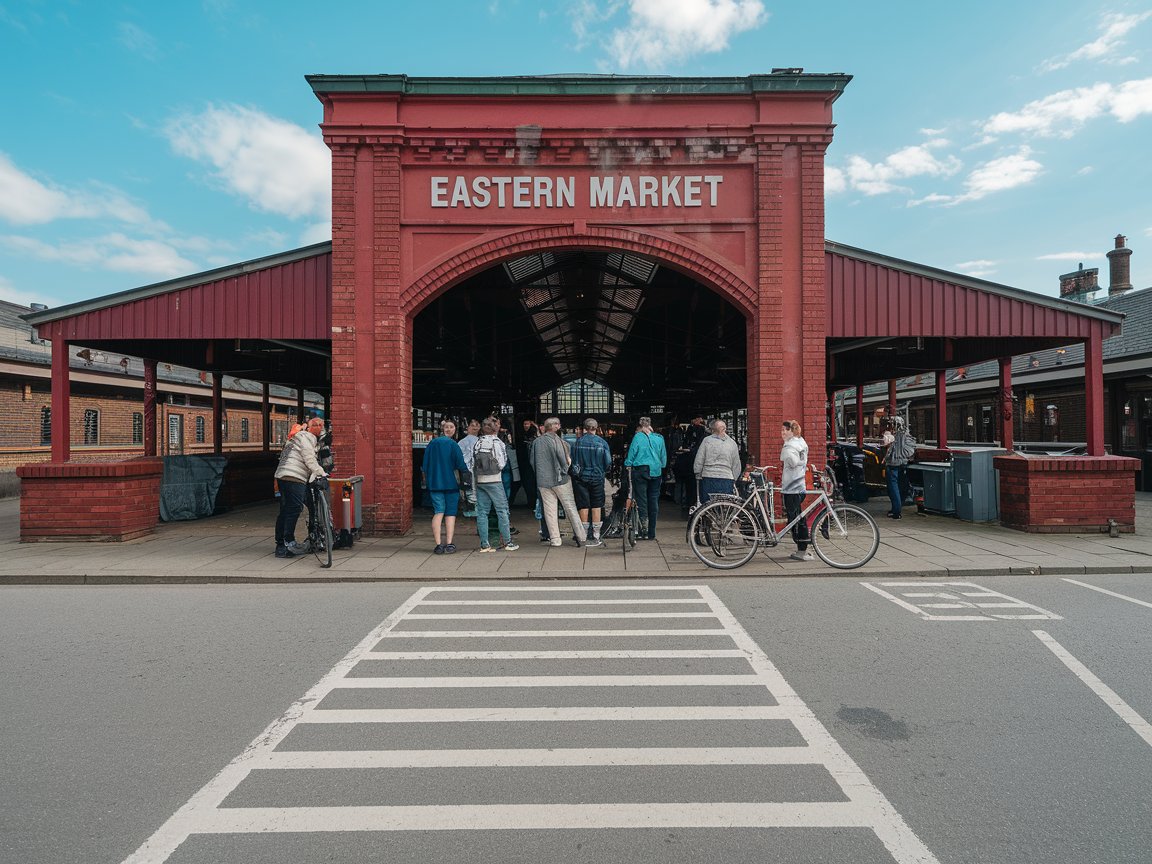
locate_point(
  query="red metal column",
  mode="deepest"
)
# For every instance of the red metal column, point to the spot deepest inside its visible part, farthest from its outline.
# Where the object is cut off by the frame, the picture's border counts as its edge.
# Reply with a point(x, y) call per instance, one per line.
point(61, 428)
point(859, 415)
point(265, 419)
point(891, 409)
point(300, 404)
point(941, 409)
point(832, 431)
point(149, 407)
point(1006, 430)
point(1094, 391)
point(218, 412)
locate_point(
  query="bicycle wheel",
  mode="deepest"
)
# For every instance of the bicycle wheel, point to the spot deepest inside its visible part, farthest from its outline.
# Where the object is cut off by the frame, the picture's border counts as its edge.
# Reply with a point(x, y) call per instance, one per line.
point(723, 535)
point(631, 526)
point(320, 534)
point(847, 541)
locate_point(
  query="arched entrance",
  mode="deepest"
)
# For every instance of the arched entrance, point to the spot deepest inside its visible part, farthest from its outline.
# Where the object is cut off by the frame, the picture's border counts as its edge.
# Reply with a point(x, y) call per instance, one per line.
point(495, 333)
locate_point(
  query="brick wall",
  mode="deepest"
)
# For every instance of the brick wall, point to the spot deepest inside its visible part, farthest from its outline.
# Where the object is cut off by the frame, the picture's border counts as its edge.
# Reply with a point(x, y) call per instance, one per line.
point(103, 501)
point(1067, 495)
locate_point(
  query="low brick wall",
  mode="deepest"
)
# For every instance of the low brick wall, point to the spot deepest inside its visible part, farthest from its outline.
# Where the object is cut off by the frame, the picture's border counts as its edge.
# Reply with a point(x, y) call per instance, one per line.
point(1068, 494)
point(89, 500)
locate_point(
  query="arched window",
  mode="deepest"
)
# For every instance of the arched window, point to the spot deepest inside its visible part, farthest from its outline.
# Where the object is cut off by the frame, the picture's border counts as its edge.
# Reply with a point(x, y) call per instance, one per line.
point(582, 397)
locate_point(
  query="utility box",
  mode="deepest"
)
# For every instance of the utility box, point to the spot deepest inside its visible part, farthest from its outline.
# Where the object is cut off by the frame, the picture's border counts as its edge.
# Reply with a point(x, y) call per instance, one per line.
point(936, 479)
point(346, 499)
point(977, 492)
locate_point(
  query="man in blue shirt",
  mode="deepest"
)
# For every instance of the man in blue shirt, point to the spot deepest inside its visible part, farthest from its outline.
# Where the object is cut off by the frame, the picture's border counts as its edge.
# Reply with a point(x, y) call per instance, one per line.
point(647, 457)
point(442, 459)
point(591, 458)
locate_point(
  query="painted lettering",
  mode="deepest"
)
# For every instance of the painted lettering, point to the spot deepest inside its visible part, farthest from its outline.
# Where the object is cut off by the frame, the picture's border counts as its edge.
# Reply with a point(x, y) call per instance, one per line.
point(481, 196)
point(439, 191)
point(501, 185)
point(692, 190)
point(541, 191)
point(670, 190)
point(460, 196)
point(713, 181)
point(649, 189)
point(565, 191)
point(521, 190)
point(600, 191)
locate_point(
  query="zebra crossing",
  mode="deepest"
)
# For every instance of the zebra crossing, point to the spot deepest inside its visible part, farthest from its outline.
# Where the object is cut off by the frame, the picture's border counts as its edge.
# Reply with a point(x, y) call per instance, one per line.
point(501, 723)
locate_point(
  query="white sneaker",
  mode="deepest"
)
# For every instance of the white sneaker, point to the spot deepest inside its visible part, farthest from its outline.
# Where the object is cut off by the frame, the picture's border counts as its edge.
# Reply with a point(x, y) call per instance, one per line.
point(594, 542)
point(511, 547)
point(555, 543)
point(802, 556)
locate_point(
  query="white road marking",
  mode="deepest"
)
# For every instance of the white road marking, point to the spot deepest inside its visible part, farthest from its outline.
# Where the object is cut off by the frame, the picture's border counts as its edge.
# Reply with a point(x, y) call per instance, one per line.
point(493, 817)
point(548, 589)
point(866, 805)
point(563, 616)
point(642, 654)
point(1123, 710)
point(1110, 593)
point(313, 759)
point(953, 598)
point(513, 634)
point(552, 681)
point(623, 601)
point(873, 808)
point(538, 715)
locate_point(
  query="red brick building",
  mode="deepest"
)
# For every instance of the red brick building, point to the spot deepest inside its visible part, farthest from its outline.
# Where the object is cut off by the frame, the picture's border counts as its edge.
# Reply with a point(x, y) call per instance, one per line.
point(494, 238)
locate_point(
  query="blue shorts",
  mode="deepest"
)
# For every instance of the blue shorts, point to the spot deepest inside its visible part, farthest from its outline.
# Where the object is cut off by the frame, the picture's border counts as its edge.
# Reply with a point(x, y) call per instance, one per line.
point(445, 502)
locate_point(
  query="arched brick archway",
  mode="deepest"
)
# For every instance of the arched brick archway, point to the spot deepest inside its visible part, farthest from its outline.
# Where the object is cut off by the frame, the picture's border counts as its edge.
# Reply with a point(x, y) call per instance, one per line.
point(667, 249)
point(491, 249)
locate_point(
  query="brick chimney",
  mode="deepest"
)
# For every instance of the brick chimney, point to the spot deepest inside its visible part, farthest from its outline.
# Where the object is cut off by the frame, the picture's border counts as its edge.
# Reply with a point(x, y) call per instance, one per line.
point(1080, 284)
point(1119, 268)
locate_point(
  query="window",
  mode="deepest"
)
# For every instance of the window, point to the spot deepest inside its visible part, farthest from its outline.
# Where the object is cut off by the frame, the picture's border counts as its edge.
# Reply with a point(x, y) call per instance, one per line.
point(244, 429)
point(137, 427)
point(45, 426)
point(175, 433)
point(581, 397)
point(91, 426)
point(199, 430)
point(224, 429)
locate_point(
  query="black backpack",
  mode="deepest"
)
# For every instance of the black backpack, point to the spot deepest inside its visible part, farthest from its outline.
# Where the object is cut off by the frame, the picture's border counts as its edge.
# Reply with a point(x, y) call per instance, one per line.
point(485, 461)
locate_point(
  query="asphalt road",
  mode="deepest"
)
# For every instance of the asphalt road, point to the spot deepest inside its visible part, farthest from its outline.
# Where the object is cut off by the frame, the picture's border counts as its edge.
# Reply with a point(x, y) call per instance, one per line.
point(883, 724)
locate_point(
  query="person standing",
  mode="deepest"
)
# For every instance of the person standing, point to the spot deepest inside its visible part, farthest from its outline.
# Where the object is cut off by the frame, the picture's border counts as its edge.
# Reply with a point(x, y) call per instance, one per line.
point(591, 459)
point(472, 435)
point(297, 468)
point(896, 457)
point(550, 462)
point(717, 463)
point(442, 462)
point(524, 461)
point(794, 468)
point(489, 457)
point(647, 457)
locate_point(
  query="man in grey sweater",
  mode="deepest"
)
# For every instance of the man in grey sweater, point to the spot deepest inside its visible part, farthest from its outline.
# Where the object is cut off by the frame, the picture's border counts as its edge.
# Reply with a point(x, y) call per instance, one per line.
point(717, 463)
point(550, 460)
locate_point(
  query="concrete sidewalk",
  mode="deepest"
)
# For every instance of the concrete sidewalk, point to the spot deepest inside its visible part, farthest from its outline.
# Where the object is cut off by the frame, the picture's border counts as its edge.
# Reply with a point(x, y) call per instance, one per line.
point(238, 547)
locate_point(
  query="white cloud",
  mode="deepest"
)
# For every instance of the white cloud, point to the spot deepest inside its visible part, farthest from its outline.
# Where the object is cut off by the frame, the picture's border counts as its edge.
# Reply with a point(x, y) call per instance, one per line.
point(137, 40)
point(880, 178)
point(110, 252)
point(1106, 48)
point(996, 175)
point(1068, 256)
point(1063, 114)
point(24, 200)
point(318, 233)
point(11, 294)
point(978, 269)
point(659, 32)
point(834, 180)
point(277, 166)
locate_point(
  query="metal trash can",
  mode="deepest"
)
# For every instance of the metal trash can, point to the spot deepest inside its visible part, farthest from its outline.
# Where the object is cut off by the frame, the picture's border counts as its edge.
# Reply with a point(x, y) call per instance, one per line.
point(936, 479)
point(347, 508)
point(977, 492)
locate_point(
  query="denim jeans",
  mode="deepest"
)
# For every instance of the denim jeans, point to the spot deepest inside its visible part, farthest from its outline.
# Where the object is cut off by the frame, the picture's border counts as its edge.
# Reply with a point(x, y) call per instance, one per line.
point(710, 486)
point(291, 503)
point(896, 486)
point(793, 504)
point(646, 491)
point(491, 496)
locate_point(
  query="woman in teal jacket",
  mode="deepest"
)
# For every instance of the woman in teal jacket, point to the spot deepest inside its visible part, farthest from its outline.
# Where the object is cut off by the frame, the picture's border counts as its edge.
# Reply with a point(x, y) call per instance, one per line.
point(647, 457)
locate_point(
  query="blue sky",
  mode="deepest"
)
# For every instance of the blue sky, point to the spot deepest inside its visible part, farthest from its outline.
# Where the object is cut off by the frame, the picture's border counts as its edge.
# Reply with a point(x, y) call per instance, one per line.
point(144, 141)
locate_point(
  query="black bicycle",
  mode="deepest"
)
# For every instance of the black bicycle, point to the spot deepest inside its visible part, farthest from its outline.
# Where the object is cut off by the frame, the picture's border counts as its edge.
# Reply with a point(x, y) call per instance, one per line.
point(320, 522)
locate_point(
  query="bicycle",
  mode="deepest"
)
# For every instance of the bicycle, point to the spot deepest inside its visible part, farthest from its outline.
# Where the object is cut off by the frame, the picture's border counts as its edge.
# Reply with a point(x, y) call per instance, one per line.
point(726, 532)
point(320, 522)
point(630, 520)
